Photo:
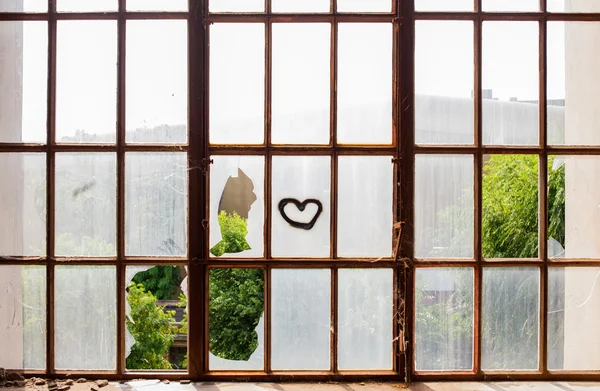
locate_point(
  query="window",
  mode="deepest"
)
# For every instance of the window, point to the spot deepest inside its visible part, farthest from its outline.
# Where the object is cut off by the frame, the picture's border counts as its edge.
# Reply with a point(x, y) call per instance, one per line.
point(217, 188)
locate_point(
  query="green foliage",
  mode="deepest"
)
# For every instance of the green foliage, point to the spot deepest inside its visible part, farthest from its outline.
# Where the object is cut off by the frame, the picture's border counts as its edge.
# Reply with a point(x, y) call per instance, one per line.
point(233, 232)
point(163, 281)
point(235, 306)
point(152, 328)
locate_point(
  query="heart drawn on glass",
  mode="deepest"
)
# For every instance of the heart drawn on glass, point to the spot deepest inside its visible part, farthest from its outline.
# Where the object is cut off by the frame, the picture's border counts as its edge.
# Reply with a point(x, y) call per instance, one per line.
point(301, 206)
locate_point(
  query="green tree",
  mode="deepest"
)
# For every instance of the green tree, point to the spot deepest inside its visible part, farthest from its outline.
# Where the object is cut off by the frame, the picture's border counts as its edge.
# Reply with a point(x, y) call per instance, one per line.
point(153, 330)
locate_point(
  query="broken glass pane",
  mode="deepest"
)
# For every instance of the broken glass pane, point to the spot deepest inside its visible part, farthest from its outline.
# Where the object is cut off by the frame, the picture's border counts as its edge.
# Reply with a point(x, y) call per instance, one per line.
point(156, 318)
point(300, 319)
point(236, 319)
point(156, 204)
point(86, 204)
point(237, 206)
point(23, 317)
point(301, 193)
point(444, 319)
point(23, 204)
point(85, 316)
point(365, 319)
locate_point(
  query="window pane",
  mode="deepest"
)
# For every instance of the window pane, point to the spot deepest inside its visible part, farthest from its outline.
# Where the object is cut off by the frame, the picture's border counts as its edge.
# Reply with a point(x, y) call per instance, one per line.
point(573, 206)
point(365, 319)
point(444, 5)
point(23, 81)
point(511, 5)
point(444, 319)
point(236, 5)
point(86, 81)
point(24, 6)
point(301, 83)
point(301, 319)
point(444, 82)
point(156, 204)
point(156, 317)
point(237, 83)
point(236, 319)
point(237, 210)
point(510, 83)
point(300, 5)
point(364, 6)
point(86, 6)
point(365, 83)
point(86, 204)
point(572, 73)
point(157, 5)
point(85, 314)
point(23, 204)
point(444, 202)
point(573, 6)
point(510, 318)
point(301, 193)
point(157, 109)
point(510, 206)
point(573, 318)
point(23, 317)
point(365, 206)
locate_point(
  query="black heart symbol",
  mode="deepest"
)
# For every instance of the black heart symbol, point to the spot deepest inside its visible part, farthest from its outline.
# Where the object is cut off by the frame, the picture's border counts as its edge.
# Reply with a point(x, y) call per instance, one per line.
point(301, 206)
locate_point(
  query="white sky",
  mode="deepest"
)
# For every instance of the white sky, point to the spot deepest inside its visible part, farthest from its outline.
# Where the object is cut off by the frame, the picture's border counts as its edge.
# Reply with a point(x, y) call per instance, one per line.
point(157, 74)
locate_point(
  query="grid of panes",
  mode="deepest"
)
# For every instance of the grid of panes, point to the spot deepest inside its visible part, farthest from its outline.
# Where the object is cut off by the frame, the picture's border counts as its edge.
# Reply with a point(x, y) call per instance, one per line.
point(504, 154)
point(302, 145)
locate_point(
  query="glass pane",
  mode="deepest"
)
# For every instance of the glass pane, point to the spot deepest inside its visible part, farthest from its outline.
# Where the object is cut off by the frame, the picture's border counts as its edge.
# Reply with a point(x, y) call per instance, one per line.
point(156, 317)
point(365, 83)
point(510, 318)
point(156, 204)
point(301, 206)
point(364, 6)
point(444, 319)
point(510, 206)
point(24, 6)
point(300, 5)
point(237, 83)
point(444, 82)
point(365, 206)
point(23, 317)
point(23, 81)
point(301, 319)
point(237, 210)
point(573, 6)
point(365, 319)
point(236, 5)
point(23, 204)
point(236, 319)
point(444, 5)
point(301, 83)
point(86, 6)
point(157, 5)
point(86, 317)
point(157, 70)
point(573, 206)
point(86, 81)
point(444, 202)
point(511, 5)
point(510, 83)
point(573, 318)
point(572, 73)
point(86, 204)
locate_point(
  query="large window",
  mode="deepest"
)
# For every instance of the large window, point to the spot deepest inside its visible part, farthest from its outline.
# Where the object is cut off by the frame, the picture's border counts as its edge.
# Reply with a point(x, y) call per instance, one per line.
point(216, 188)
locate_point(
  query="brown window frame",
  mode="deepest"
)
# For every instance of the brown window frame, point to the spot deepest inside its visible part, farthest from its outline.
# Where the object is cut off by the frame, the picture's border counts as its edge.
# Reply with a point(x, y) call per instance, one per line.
point(403, 151)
